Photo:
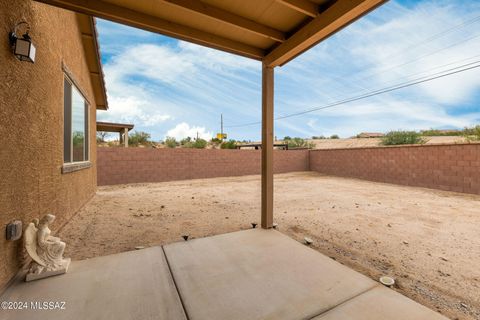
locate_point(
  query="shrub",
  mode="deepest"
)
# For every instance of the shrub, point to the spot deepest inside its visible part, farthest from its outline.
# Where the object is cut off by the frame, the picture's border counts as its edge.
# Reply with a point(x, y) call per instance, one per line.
point(318, 137)
point(185, 141)
point(78, 138)
point(299, 143)
point(199, 144)
point(287, 138)
point(170, 142)
point(334, 136)
point(230, 144)
point(402, 137)
point(113, 143)
point(433, 133)
point(139, 138)
point(472, 134)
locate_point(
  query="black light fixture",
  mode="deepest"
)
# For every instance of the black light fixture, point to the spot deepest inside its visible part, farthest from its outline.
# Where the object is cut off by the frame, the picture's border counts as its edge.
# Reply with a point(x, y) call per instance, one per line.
point(22, 47)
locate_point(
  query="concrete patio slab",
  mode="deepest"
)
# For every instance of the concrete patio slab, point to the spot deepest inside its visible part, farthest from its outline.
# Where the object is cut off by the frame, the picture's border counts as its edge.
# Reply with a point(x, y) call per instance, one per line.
point(258, 274)
point(252, 274)
point(380, 303)
point(130, 285)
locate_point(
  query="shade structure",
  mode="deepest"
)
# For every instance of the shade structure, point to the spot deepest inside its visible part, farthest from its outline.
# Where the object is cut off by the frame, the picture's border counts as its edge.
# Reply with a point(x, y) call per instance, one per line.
point(113, 127)
point(273, 31)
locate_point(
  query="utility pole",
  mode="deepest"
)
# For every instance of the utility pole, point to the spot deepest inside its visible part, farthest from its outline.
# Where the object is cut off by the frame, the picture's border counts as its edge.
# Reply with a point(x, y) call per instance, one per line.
point(221, 124)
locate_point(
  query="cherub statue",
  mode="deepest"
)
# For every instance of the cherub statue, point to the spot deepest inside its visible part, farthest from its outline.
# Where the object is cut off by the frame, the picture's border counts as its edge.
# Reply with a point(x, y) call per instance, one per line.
point(45, 250)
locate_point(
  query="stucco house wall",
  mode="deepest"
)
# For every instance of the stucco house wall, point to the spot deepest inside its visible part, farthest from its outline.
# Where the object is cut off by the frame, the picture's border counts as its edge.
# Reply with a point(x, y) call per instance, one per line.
point(31, 124)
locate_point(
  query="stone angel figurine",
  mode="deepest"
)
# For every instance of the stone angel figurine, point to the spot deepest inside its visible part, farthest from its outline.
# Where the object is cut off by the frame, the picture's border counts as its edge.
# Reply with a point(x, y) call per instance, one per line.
point(45, 250)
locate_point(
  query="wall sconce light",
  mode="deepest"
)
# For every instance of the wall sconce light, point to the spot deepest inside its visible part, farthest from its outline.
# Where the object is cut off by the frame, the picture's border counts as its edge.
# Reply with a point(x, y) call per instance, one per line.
point(22, 47)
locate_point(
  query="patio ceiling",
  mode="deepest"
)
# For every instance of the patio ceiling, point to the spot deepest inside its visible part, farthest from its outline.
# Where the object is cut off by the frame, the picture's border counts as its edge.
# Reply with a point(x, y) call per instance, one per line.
point(274, 31)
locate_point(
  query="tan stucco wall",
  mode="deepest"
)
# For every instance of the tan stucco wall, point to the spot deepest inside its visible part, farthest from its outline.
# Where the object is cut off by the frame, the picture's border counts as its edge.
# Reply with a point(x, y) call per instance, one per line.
point(31, 124)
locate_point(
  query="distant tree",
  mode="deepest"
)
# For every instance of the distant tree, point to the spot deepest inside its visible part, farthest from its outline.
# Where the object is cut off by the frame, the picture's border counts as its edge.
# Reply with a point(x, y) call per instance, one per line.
point(170, 142)
point(334, 136)
point(230, 144)
point(101, 136)
point(139, 138)
point(402, 137)
point(318, 137)
point(287, 138)
point(299, 143)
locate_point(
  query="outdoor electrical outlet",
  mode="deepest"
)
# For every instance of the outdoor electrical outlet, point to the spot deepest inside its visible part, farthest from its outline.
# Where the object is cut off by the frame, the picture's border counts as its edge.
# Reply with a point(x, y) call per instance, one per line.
point(14, 230)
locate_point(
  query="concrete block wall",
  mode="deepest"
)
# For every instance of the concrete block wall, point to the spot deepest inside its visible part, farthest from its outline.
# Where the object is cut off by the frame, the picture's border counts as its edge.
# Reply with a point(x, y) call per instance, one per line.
point(444, 167)
point(135, 165)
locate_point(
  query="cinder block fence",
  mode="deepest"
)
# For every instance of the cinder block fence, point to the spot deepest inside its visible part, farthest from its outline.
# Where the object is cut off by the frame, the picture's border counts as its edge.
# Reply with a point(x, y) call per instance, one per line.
point(132, 165)
point(445, 167)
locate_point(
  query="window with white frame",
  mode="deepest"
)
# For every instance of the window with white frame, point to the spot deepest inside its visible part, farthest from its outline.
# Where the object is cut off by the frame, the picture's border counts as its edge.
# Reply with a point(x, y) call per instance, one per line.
point(76, 128)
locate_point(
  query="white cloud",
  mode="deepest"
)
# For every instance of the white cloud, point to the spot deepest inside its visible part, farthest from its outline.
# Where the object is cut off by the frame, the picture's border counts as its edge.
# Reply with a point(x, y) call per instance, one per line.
point(150, 85)
point(160, 84)
point(183, 130)
point(386, 48)
point(132, 109)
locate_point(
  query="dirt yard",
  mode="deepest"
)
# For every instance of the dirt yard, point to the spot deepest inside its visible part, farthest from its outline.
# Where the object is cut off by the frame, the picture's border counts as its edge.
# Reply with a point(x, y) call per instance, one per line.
point(428, 240)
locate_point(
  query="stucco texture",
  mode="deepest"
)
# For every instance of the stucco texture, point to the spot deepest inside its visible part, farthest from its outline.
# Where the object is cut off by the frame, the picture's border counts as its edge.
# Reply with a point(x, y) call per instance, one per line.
point(31, 124)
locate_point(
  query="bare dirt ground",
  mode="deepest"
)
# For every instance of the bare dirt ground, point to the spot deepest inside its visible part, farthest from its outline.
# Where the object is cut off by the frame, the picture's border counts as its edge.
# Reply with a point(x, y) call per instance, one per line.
point(428, 240)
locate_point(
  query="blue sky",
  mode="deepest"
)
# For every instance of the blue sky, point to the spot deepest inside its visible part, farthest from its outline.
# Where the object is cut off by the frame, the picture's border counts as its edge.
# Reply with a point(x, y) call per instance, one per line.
point(168, 87)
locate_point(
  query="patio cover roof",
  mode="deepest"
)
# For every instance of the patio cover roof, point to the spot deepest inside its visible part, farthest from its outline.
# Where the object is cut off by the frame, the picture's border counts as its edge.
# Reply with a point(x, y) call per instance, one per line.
point(274, 31)
point(92, 54)
point(113, 127)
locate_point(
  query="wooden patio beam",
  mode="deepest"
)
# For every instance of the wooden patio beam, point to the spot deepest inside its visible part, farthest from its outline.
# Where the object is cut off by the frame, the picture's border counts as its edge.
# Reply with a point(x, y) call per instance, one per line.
point(229, 18)
point(304, 6)
point(267, 147)
point(151, 23)
point(336, 17)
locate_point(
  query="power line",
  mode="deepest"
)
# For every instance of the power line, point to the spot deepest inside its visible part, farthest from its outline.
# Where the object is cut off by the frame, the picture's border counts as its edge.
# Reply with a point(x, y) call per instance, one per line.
point(429, 39)
point(425, 71)
point(424, 41)
point(381, 91)
point(371, 94)
point(436, 36)
point(428, 70)
point(417, 58)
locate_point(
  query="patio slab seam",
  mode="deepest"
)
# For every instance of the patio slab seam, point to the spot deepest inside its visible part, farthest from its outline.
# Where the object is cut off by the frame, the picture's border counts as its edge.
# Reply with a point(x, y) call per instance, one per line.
point(344, 302)
point(175, 284)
